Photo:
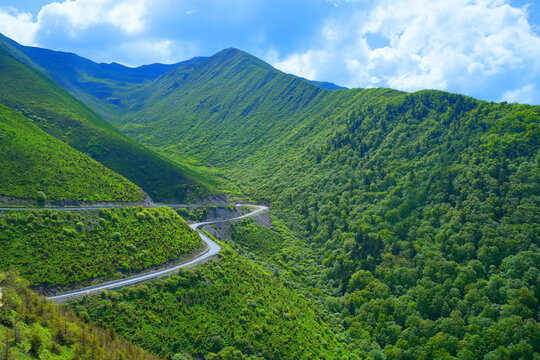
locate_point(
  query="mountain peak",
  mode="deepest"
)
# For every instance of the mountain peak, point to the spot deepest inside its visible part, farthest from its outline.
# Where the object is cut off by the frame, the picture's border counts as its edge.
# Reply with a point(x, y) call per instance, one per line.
point(239, 59)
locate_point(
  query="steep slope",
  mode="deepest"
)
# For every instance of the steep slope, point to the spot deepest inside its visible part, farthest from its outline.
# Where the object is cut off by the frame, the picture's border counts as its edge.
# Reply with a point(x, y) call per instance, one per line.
point(62, 249)
point(236, 102)
point(101, 86)
point(58, 113)
point(31, 327)
point(232, 307)
point(33, 161)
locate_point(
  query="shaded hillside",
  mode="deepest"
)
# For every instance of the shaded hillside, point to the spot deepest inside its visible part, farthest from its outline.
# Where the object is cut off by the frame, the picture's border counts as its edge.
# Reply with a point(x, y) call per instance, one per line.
point(58, 113)
point(101, 86)
point(33, 161)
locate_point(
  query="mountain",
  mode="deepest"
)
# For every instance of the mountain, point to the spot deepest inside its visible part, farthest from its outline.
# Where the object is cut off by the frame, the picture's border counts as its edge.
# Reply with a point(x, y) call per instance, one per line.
point(90, 82)
point(63, 116)
point(138, 96)
point(34, 161)
point(421, 204)
point(416, 214)
point(323, 84)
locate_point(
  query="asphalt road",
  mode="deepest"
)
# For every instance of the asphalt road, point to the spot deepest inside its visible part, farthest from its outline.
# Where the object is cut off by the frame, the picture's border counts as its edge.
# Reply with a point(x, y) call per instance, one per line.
point(211, 249)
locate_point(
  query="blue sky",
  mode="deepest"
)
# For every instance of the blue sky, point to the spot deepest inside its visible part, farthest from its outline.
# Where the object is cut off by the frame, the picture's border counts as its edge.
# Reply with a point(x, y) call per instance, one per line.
point(489, 49)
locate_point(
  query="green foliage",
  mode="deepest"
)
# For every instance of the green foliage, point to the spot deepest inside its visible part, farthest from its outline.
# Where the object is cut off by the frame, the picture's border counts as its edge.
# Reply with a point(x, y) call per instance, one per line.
point(414, 201)
point(58, 113)
point(65, 248)
point(37, 166)
point(256, 239)
point(31, 327)
point(232, 308)
point(418, 213)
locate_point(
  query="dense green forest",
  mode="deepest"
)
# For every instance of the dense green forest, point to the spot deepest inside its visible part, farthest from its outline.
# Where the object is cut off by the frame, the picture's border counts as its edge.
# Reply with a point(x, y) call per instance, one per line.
point(31, 327)
point(58, 113)
point(68, 248)
point(33, 162)
point(424, 214)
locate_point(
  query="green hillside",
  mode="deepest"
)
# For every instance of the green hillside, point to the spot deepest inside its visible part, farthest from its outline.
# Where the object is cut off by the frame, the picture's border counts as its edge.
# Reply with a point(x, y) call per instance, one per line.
point(101, 86)
point(33, 161)
point(33, 328)
point(230, 101)
point(58, 113)
point(232, 308)
point(65, 249)
point(416, 216)
point(420, 207)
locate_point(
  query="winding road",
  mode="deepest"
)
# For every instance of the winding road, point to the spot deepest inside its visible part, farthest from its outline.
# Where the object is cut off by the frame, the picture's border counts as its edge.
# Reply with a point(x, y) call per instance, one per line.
point(211, 249)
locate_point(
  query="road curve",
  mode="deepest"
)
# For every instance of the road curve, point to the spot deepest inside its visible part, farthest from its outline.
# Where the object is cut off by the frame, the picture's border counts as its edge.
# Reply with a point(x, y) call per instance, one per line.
point(211, 250)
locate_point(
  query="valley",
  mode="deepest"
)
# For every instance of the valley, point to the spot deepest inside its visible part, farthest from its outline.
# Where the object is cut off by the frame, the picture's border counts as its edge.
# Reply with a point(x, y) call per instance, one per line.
point(392, 225)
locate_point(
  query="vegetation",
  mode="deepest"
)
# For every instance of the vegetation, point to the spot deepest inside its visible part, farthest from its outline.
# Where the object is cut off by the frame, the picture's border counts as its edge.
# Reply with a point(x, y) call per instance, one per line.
point(412, 218)
point(37, 166)
point(231, 309)
point(413, 203)
point(31, 327)
point(58, 113)
point(62, 248)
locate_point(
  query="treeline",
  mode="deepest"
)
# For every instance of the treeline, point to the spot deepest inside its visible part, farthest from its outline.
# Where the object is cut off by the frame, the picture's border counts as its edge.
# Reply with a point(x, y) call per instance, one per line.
point(32, 327)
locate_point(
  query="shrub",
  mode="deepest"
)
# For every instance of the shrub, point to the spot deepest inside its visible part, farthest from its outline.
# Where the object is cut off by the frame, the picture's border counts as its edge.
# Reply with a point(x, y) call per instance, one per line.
point(41, 198)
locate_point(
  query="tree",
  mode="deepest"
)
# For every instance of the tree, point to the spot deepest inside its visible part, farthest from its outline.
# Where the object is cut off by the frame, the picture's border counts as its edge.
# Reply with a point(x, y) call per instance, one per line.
point(36, 343)
point(41, 198)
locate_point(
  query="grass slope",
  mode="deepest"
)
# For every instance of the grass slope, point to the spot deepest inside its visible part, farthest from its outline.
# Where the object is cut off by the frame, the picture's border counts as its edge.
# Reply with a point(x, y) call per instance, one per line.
point(63, 249)
point(58, 113)
point(34, 161)
point(230, 100)
point(101, 86)
point(31, 327)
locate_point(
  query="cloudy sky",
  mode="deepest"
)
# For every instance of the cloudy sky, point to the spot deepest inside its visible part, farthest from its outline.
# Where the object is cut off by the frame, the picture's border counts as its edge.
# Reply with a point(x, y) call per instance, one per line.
point(489, 49)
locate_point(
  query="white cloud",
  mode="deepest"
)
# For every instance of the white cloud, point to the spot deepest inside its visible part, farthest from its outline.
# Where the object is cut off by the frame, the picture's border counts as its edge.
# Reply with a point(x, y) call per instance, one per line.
point(75, 17)
point(78, 15)
point(524, 95)
point(460, 45)
point(18, 26)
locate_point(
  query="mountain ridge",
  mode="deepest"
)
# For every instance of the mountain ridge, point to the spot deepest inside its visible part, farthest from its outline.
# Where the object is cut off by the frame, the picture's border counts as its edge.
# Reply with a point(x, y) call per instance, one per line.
point(62, 115)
